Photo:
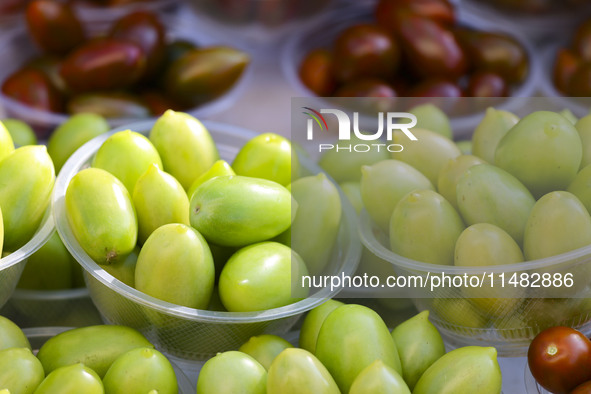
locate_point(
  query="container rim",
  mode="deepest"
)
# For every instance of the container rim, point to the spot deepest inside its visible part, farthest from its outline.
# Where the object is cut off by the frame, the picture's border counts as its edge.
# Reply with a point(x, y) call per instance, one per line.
point(348, 263)
point(50, 295)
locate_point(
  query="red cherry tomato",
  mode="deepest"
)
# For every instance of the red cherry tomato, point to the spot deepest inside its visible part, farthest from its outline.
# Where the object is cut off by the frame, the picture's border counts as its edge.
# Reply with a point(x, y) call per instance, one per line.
point(584, 388)
point(389, 12)
point(316, 72)
point(567, 63)
point(486, 84)
point(559, 359)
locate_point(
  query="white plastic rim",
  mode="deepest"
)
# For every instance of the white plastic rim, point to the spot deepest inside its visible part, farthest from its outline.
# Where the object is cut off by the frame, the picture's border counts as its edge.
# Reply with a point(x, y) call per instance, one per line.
point(239, 136)
point(50, 295)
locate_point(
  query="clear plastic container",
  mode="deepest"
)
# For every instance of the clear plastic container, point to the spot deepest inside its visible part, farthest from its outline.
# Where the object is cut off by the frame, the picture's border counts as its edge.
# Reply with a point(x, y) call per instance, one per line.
point(531, 386)
point(12, 265)
point(322, 35)
point(38, 336)
point(180, 331)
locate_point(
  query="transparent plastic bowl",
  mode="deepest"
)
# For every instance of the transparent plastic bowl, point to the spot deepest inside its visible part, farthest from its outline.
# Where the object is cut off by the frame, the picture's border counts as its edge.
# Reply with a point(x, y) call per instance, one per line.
point(97, 16)
point(38, 336)
point(322, 35)
point(180, 331)
point(16, 48)
point(511, 323)
point(12, 265)
point(531, 386)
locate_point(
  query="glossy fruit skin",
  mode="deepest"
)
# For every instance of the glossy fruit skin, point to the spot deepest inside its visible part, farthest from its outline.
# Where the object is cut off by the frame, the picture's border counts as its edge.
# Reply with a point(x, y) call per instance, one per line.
point(176, 49)
point(144, 29)
point(363, 51)
point(580, 187)
point(470, 369)
point(487, 84)
point(219, 168)
point(584, 388)
point(72, 134)
point(27, 177)
point(232, 372)
point(21, 133)
point(495, 124)
point(432, 118)
point(299, 371)
point(435, 87)
point(20, 371)
point(389, 12)
point(265, 348)
point(143, 370)
point(316, 72)
point(53, 26)
point(366, 87)
point(202, 75)
point(459, 311)
point(101, 215)
point(558, 358)
point(176, 253)
point(352, 191)
point(259, 277)
point(11, 335)
point(238, 210)
point(450, 174)
point(6, 142)
point(553, 147)
point(125, 270)
point(109, 105)
point(33, 88)
point(378, 378)
point(94, 346)
point(582, 41)
point(565, 66)
point(50, 66)
point(71, 379)
point(580, 82)
point(313, 322)
point(351, 338)
point(104, 64)
point(430, 49)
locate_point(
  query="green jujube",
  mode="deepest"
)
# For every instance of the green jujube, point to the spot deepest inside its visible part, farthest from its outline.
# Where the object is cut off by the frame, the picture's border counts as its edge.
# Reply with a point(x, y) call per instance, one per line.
point(378, 378)
point(583, 127)
point(313, 322)
point(495, 124)
point(232, 373)
point(11, 335)
point(6, 143)
point(219, 168)
point(264, 348)
point(71, 379)
point(124, 270)
point(581, 186)
point(20, 371)
point(352, 191)
point(451, 173)
point(432, 118)
point(21, 133)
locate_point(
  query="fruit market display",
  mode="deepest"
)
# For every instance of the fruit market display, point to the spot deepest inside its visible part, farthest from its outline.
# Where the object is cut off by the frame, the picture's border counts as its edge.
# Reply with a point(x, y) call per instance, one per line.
point(136, 69)
point(415, 49)
point(571, 74)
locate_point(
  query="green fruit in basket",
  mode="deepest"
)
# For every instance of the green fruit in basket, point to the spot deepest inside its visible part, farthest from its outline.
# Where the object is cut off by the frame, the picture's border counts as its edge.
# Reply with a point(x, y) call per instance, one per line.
point(351, 338)
point(11, 335)
point(20, 371)
point(352, 191)
point(567, 113)
point(428, 154)
point(72, 134)
point(71, 379)
point(22, 134)
point(27, 177)
point(313, 322)
point(141, 371)
point(343, 164)
point(384, 184)
point(425, 227)
point(49, 268)
point(124, 270)
point(583, 127)
point(268, 156)
point(317, 220)
point(262, 276)
point(97, 347)
point(495, 124)
point(176, 253)
point(458, 312)
point(378, 378)
point(6, 143)
point(159, 199)
point(185, 146)
point(232, 372)
point(219, 168)
point(419, 345)
point(101, 215)
point(470, 369)
point(239, 210)
point(296, 371)
point(127, 155)
point(264, 348)
point(543, 150)
point(432, 118)
point(488, 194)
point(450, 175)
point(465, 147)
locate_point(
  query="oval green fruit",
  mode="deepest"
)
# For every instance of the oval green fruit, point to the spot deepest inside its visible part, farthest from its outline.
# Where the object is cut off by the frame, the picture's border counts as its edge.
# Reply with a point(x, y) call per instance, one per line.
point(495, 124)
point(350, 339)
point(185, 146)
point(219, 168)
point(232, 372)
point(297, 371)
point(1, 233)
point(313, 322)
point(259, 277)
point(124, 270)
point(568, 115)
point(71, 379)
point(127, 155)
point(425, 227)
point(459, 312)
point(101, 215)
point(11, 335)
point(543, 150)
point(385, 183)
point(176, 253)
point(141, 371)
point(72, 134)
point(581, 186)
point(465, 146)
point(488, 194)
point(94, 346)
point(20, 371)
point(159, 199)
point(26, 178)
point(419, 345)
point(268, 156)
point(21, 133)
point(450, 175)
point(467, 370)
point(238, 210)
point(583, 127)
point(264, 348)
point(6, 143)
point(378, 378)
point(432, 118)
point(352, 191)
